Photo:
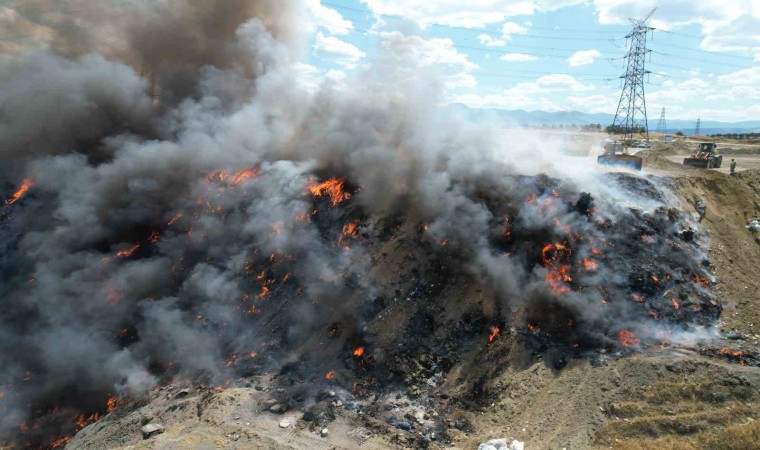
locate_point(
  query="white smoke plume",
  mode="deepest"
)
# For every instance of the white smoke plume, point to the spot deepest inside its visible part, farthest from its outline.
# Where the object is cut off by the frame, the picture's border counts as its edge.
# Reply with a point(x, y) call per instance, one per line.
point(177, 240)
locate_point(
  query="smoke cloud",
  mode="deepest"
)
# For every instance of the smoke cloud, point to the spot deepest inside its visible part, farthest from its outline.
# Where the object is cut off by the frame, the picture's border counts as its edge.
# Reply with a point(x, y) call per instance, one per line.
point(191, 238)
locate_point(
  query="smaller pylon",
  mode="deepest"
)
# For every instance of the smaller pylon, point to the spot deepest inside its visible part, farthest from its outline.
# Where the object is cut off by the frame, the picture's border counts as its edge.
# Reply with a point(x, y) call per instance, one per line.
point(662, 126)
point(696, 131)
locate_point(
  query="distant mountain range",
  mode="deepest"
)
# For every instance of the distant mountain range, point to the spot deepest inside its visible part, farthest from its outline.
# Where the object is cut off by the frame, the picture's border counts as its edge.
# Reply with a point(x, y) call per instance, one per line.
point(503, 117)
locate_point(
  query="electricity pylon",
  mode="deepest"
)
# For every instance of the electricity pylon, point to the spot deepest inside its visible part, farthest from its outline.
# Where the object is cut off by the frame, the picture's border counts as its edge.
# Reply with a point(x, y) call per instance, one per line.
point(696, 131)
point(662, 126)
point(631, 115)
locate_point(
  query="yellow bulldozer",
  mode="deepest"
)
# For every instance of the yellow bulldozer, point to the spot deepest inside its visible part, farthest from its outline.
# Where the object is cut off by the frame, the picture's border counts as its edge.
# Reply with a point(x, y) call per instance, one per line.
point(706, 157)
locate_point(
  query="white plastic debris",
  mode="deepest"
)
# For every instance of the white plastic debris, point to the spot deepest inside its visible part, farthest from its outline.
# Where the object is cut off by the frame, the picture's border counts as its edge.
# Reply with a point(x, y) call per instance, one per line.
point(754, 225)
point(494, 444)
point(501, 444)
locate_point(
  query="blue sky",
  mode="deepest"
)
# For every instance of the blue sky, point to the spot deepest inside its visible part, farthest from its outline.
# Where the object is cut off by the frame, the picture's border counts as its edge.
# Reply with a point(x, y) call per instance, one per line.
point(556, 55)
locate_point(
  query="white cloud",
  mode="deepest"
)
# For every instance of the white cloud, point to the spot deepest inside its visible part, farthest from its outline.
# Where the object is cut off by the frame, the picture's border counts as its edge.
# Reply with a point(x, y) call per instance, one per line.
point(532, 95)
point(464, 13)
point(488, 40)
point(517, 57)
point(553, 5)
point(583, 57)
point(727, 26)
point(510, 28)
point(749, 76)
point(328, 18)
point(425, 52)
point(341, 52)
point(471, 14)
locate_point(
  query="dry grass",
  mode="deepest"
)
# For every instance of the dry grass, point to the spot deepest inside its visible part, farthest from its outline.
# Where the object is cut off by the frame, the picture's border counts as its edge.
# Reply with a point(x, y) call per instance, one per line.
point(687, 415)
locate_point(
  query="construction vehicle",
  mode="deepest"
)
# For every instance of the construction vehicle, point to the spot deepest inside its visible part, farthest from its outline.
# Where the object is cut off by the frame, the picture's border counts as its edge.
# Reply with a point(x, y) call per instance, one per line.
point(616, 154)
point(706, 157)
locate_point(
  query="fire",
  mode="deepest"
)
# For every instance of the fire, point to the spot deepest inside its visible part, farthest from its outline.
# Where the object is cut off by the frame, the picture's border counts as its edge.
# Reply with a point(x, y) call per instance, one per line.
point(564, 228)
point(590, 264)
point(20, 192)
point(330, 375)
point(729, 352)
point(359, 351)
point(332, 188)
point(128, 252)
point(82, 421)
point(534, 328)
point(60, 442)
point(676, 305)
point(348, 232)
point(244, 175)
point(596, 251)
point(557, 279)
point(638, 298)
point(174, 219)
point(627, 338)
point(494, 334)
point(704, 281)
point(655, 278)
point(253, 355)
point(154, 237)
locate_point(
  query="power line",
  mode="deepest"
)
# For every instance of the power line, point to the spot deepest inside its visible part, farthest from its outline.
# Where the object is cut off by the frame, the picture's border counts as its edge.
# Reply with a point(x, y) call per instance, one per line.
point(669, 55)
point(469, 29)
point(681, 47)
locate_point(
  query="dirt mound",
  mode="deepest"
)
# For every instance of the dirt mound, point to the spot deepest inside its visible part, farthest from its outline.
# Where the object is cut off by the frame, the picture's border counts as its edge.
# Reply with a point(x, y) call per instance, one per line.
point(634, 402)
point(731, 203)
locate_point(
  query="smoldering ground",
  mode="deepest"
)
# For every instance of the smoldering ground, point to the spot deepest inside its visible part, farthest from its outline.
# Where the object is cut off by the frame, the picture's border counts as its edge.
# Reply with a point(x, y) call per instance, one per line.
point(194, 239)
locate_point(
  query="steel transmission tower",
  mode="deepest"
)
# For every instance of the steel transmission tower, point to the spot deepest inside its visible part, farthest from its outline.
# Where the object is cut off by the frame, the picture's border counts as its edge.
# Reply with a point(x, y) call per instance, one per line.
point(631, 115)
point(662, 126)
point(696, 131)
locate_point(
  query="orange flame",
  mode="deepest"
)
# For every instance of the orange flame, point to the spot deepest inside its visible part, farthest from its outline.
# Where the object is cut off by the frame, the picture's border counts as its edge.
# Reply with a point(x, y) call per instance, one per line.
point(704, 281)
point(154, 237)
point(128, 252)
point(332, 188)
point(22, 190)
point(557, 279)
point(244, 174)
point(82, 421)
point(348, 232)
point(494, 333)
point(676, 305)
point(359, 351)
point(534, 328)
point(627, 338)
point(330, 375)
point(174, 219)
point(590, 264)
point(655, 278)
point(638, 298)
point(60, 442)
point(728, 351)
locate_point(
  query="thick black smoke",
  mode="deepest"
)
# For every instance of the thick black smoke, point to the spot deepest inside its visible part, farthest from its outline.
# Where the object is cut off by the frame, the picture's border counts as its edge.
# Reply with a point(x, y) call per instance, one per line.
point(183, 239)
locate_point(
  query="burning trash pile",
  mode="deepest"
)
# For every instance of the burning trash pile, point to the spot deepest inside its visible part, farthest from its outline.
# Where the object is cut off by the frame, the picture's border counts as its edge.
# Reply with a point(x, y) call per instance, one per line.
point(345, 237)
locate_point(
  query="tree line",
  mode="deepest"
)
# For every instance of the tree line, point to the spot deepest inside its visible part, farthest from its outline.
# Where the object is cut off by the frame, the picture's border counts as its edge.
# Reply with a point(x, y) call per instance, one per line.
point(737, 136)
